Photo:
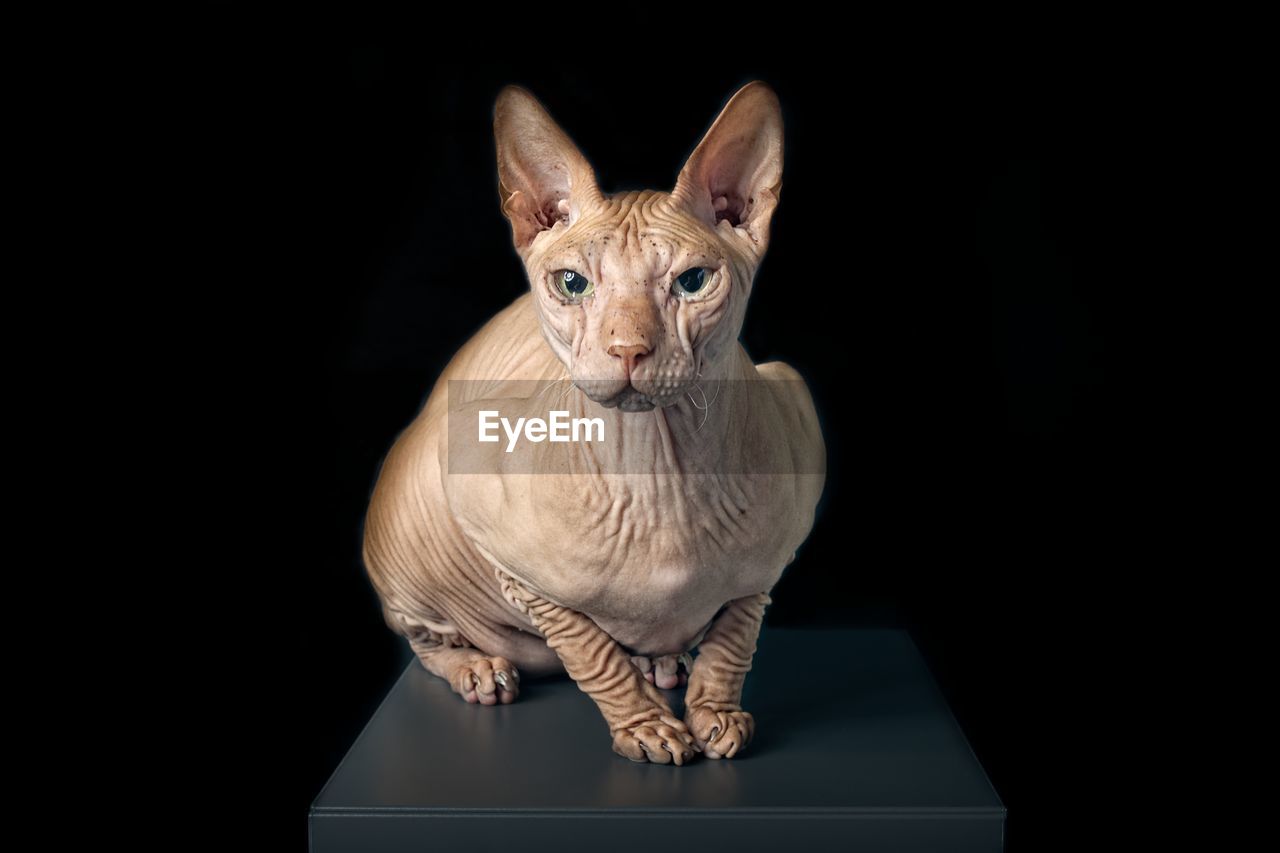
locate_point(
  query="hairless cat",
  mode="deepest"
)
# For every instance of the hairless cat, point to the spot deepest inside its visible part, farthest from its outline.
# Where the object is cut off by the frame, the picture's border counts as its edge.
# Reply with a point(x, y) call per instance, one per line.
point(622, 566)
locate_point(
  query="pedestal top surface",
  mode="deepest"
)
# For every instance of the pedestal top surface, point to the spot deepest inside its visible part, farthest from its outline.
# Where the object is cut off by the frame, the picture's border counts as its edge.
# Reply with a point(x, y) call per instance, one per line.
point(846, 720)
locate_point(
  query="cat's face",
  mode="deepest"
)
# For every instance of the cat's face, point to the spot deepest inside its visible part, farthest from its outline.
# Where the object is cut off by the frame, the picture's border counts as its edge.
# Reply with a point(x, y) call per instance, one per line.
point(641, 294)
point(637, 297)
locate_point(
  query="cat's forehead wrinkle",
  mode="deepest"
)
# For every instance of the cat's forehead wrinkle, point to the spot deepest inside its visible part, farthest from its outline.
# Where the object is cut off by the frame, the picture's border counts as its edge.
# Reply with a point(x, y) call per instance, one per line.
point(624, 215)
point(637, 235)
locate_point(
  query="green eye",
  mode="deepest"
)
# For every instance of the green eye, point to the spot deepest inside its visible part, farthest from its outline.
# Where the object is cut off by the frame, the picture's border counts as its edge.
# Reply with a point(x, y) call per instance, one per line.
point(691, 281)
point(572, 284)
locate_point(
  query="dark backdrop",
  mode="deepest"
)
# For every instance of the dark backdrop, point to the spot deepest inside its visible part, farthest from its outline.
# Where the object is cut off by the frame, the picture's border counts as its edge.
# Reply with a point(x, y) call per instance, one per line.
point(943, 271)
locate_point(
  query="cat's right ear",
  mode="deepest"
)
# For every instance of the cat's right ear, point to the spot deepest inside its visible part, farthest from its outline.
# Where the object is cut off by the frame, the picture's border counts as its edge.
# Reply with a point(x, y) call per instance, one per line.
point(542, 176)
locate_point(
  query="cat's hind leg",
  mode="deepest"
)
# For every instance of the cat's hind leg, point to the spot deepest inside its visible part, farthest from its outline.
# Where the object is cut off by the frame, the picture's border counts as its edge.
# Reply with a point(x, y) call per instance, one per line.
point(475, 676)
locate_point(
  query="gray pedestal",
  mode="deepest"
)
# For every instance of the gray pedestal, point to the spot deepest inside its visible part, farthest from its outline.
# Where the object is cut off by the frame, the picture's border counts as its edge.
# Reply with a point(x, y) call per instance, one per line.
point(855, 749)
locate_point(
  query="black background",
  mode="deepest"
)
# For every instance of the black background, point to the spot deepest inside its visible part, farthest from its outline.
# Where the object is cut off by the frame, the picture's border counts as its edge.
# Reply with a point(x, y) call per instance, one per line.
point(945, 271)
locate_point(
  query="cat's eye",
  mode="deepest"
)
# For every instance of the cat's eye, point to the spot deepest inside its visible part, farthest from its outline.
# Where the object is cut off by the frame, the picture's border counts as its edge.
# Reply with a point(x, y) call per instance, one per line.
point(573, 285)
point(691, 281)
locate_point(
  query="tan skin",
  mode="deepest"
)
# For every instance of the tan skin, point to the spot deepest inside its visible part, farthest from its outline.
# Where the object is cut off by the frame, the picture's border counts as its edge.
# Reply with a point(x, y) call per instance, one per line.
point(660, 546)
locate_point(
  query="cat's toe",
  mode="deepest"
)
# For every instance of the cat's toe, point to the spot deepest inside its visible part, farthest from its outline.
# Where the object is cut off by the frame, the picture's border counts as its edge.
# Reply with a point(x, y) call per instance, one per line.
point(721, 733)
point(487, 681)
point(663, 740)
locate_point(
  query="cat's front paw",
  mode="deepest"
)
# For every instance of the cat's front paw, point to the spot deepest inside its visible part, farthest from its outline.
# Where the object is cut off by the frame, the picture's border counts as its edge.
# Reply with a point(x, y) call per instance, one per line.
point(721, 730)
point(660, 740)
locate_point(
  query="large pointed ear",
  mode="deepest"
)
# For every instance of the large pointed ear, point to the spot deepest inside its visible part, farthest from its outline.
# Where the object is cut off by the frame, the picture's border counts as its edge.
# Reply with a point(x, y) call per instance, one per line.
point(735, 173)
point(542, 176)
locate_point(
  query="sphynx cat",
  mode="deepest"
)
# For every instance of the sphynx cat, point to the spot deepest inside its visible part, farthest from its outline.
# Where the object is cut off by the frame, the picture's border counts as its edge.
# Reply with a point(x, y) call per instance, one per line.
point(619, 568)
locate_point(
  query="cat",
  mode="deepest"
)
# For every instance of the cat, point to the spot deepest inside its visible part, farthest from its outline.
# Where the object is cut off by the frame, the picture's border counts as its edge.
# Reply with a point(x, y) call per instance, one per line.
point(620, 564)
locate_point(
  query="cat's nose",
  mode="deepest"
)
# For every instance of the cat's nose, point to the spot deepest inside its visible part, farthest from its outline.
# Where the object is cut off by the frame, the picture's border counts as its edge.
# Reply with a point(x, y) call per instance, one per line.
point(630, 355)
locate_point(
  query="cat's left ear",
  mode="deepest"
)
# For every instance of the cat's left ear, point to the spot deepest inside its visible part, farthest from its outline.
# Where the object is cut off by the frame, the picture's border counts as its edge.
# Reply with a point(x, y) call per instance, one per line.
point(735, 173)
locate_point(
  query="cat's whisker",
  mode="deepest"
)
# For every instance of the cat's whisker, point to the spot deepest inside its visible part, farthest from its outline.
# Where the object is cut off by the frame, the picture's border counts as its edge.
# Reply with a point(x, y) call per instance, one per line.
point(564, 392)
point(545, 389)
point(716, 397)
point(697, 374)
point(695, 405)
point(705, 407)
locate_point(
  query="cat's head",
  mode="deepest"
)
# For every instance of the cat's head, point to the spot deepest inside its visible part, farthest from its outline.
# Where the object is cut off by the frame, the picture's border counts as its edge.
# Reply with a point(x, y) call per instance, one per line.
point(641, 294)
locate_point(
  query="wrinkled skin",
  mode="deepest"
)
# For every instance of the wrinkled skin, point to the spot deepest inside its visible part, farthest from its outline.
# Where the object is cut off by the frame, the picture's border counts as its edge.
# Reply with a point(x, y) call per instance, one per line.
point(629, 582)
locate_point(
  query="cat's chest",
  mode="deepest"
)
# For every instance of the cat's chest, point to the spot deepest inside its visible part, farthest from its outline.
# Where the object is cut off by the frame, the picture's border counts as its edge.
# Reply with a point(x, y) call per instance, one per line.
point(652, 562)
point(675, 521)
